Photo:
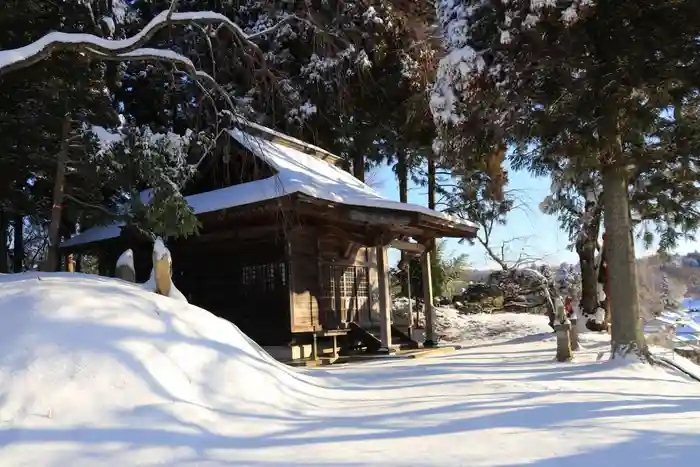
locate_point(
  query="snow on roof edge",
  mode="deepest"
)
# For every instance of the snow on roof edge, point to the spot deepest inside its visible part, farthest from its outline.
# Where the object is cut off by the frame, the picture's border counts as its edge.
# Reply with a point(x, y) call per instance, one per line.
point(379, 202)
point(269, 131)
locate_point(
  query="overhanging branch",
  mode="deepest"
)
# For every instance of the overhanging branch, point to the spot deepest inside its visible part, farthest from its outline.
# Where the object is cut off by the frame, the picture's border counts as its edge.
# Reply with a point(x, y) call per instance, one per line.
point(23, 57)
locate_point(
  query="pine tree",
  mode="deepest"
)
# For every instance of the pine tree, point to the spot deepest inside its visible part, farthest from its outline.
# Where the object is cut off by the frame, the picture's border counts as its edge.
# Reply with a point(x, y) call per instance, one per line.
point(351, 77)
point(578, 81)
point(65, 87)
point(77, 102)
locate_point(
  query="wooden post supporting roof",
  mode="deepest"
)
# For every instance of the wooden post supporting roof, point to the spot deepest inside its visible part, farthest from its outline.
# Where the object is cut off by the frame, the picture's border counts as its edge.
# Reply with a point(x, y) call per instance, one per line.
point(384, 297)
point(430, 338)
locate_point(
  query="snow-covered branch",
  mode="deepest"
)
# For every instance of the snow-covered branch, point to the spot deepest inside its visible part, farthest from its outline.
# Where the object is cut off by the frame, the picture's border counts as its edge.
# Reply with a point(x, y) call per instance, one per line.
point(130, 48)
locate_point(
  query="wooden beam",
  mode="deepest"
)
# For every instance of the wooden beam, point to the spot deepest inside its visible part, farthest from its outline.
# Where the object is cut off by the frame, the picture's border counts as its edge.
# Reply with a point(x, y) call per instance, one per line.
point(414, 248)
point(376, 218)
point(444, 228)
point(347, 233)
point(224, 233)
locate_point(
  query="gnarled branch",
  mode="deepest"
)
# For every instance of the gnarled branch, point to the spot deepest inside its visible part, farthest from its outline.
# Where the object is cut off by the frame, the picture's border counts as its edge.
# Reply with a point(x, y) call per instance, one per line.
point(22, 57)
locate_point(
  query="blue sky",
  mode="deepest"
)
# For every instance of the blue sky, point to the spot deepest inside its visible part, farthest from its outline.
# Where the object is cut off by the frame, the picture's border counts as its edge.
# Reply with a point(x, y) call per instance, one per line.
point(540, 233)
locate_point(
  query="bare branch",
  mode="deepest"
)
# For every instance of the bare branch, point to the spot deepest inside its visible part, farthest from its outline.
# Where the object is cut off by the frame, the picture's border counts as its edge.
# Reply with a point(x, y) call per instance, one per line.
point(210, 47)
point(88, 205)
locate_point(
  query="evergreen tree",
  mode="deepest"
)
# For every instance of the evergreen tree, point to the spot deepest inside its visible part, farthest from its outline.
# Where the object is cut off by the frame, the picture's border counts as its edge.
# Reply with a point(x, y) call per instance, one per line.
point(64, 87)
point(351, 77)
point(582, 82)
point(65, 167)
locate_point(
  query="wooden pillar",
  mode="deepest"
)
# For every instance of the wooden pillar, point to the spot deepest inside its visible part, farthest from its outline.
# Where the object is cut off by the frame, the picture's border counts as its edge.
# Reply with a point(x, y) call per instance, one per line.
point(430, 338)
point(384, 297)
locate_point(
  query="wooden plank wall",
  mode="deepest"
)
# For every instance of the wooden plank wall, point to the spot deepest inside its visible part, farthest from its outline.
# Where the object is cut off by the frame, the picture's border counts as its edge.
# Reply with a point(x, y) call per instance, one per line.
point(318, 262)
point(243, 282)
point(304, 280)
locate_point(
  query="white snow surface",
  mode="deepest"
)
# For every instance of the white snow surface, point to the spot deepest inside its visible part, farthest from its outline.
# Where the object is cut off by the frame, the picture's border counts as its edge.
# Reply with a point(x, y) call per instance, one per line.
point(453, 326)
point(97, 372)
point(297, 172)
point(487, 327)
point(160, 251)
point(175, 294)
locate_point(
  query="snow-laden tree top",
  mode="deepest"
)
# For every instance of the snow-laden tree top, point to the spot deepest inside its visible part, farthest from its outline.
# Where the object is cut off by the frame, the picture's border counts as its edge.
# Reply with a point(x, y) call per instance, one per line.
point(468, 28)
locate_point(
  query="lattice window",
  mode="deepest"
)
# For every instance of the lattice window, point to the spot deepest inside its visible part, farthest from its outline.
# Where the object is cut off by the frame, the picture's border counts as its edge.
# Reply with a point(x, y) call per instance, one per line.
point(328, 279)
point(248, 276)
point(362, 282)
point(353, 281)
point(347, 282)
point(282, 273)
point(263, 277)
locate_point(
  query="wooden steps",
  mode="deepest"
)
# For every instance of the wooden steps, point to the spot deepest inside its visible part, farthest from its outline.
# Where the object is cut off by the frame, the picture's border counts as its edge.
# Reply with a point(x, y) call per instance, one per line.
point(370, 337)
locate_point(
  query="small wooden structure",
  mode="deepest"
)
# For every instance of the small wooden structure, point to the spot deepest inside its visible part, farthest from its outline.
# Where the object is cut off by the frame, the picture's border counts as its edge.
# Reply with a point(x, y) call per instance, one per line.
point(293, 250)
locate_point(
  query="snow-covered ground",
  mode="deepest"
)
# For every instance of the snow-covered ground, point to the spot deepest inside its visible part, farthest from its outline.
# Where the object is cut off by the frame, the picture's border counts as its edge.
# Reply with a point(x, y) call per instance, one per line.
point(486, 327)
point(97, 372)
point(457, 327)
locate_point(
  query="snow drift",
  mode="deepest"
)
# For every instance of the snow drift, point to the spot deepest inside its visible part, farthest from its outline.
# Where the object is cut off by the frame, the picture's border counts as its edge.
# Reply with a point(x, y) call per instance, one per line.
point(81, 349)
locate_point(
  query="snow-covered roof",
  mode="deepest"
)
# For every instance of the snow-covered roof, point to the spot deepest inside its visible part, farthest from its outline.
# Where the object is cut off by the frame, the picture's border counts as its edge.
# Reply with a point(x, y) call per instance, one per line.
point(296, 172)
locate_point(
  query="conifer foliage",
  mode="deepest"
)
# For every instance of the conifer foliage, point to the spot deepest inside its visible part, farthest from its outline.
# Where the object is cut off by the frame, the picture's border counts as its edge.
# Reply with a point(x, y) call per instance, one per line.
point(152, 111)
point(577, 83)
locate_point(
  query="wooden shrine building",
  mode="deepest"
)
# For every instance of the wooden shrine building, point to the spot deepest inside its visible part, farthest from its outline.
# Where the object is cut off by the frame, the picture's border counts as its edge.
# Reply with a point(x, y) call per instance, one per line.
point(292, 249)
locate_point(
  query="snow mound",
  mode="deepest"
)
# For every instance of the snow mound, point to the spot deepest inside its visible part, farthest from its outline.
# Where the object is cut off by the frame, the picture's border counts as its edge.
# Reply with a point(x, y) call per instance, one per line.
point(79, 349)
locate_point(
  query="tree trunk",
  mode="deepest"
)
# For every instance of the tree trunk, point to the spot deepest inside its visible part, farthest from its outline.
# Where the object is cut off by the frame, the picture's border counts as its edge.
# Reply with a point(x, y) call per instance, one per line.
point(58, 191)
point(589, 279)
point(586, 248)
point(431, 193)
point(627, 336)
point(402, 176)
point(358, 164)
point(431, 180)
point(4, 223)
point(18, 260)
